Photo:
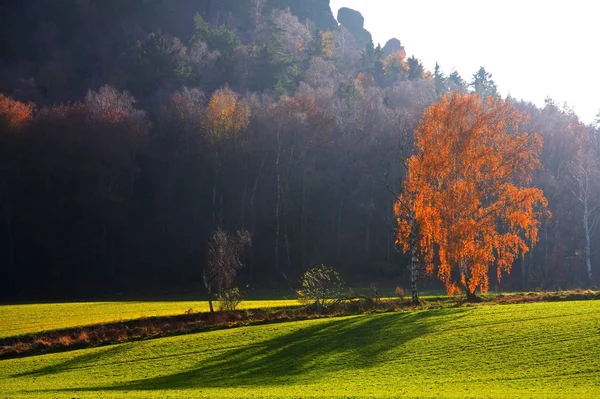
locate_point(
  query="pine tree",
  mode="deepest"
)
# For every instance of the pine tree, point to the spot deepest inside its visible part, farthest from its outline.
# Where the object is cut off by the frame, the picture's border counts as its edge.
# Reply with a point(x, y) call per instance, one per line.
point(455, 82)
point(483, 84)
point(415, 68)
point(439, 80)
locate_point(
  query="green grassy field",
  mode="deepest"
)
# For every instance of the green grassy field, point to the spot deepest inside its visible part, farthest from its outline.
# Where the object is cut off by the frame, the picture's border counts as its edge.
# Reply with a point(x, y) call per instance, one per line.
point(539, 350)
point(23, 319)
point(33, 318)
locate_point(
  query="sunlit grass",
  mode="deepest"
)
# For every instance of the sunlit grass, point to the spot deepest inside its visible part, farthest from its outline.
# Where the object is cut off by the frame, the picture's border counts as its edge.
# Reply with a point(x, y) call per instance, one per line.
point(23, 319)
point(539, 350)
point(34, 318)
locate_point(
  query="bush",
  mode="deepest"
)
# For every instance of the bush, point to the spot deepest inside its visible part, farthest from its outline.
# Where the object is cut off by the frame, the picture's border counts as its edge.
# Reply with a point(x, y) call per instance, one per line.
point(400, 293)
point(375, 296)
point(229, 299)
point(321, 284)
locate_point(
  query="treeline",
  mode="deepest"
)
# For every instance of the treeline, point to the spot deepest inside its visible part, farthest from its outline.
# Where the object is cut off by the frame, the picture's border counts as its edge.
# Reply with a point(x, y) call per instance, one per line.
point(123, 149)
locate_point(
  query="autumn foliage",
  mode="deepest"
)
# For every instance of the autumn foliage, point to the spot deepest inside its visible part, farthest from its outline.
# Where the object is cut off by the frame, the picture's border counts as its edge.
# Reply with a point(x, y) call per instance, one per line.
point(468, 189)
point(14, 114)
point(395, 62)
point(227, 114)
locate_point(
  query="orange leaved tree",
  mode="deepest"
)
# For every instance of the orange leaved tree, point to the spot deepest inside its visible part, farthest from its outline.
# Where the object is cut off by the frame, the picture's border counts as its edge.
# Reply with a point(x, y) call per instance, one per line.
point(468, 203)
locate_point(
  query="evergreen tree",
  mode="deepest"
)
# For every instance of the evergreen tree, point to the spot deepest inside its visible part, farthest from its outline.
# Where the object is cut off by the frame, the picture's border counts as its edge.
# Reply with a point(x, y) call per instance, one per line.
point(483, 84)
point(372, 61)
point(415, 68)
point(439, 80)
point(218, 38)
point(278, 69)
point(455, 82)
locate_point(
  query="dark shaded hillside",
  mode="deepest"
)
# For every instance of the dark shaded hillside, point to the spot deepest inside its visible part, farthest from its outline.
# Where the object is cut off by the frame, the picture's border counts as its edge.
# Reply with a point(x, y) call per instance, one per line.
point(72, 45)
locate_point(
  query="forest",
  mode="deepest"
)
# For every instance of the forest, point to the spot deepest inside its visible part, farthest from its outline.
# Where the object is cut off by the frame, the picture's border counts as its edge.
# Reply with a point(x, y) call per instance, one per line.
point(130, 131)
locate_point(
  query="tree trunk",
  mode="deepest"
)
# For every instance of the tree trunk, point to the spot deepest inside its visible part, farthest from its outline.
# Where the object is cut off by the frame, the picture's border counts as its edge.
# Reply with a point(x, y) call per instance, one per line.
point(303, 222)
point(132, 173)
point(210, 303)
point(584, 195)
point(253, 195)
point(113, 266)
point(278, 204)
point(11, 243)
point(251, 210)
point(221, 209)
point(545, 266)
point(214, 202)
point(214, 194)
point(369, 217)
point(586, 229)
point(243, 216)
point(523, 274)
point(287, 246)
point(471, 297)
point(338, 240)
point(414, 271)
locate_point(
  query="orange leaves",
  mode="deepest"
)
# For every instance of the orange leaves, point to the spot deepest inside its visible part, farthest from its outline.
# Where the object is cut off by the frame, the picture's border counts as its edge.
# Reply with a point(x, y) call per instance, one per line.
point(363, 82)
point(226, 114)
point(467, 189)
point(14, 114)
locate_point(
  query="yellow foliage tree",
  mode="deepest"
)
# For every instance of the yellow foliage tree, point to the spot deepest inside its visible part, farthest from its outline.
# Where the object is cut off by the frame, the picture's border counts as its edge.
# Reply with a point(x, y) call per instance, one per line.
point(226, 114)
point(328, 44)
point(474, 206)
point(224, 118)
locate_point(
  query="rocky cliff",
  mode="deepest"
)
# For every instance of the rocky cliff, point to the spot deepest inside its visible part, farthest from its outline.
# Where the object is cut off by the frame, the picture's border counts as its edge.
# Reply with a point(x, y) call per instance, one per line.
point(354, 22)
point(392, 46)
point(318, 11)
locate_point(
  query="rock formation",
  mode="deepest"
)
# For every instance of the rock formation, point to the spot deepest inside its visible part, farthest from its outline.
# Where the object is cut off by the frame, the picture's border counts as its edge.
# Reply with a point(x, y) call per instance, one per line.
point(392, 46)
point(354, 22)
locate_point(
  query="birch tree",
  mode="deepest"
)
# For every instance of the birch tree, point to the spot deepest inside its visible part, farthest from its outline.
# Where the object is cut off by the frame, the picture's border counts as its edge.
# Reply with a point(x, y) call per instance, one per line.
point(584, 175)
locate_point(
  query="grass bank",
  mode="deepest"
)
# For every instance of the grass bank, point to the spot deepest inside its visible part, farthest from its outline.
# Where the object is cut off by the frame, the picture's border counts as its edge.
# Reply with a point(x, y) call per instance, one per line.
point(534, 350)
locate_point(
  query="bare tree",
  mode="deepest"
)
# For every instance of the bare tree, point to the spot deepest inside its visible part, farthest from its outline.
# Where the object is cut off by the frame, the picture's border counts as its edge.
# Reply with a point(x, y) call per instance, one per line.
point(223, 261)
point(584, 173)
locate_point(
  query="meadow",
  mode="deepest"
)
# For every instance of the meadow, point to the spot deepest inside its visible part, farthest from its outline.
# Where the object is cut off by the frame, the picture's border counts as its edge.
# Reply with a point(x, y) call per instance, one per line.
point(22, 319)
point(34, 318)
point(537, 350)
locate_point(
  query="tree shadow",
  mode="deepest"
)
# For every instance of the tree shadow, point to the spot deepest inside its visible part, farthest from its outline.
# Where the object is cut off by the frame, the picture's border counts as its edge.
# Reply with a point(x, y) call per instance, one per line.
point(327, 347)
point(87, 360)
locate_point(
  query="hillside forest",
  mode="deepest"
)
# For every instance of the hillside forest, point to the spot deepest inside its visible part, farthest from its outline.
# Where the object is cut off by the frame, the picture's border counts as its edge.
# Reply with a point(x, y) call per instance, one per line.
point(130, 131)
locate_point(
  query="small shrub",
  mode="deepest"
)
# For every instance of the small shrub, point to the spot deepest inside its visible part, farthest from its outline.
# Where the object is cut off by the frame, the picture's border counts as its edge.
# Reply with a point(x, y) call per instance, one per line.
point(375, 296)
point(323, 285)
point(400, 293)
point(229, 299)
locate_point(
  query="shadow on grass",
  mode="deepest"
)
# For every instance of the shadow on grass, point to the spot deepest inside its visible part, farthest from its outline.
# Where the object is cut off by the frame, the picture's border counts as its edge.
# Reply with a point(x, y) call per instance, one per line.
point(80, 362)
point(309, 353)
